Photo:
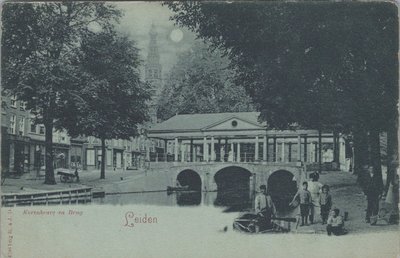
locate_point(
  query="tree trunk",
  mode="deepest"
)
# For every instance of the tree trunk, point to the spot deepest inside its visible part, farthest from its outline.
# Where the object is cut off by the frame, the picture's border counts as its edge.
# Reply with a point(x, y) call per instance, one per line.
point(360, 150)
point(392, 166)
point(49, 177)
point(376, 156)
point(103, 159)
point(335, 146)
point(392, 154)
point(319, 150)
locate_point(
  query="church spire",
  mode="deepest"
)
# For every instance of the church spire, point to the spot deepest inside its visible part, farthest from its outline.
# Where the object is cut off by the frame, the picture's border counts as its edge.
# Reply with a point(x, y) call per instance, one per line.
point(153, 72)
point(153, 67)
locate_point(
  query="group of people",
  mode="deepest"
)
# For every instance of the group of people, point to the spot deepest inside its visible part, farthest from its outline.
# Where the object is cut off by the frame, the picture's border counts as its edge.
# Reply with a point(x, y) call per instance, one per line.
point(314, 197)
point(311, 196)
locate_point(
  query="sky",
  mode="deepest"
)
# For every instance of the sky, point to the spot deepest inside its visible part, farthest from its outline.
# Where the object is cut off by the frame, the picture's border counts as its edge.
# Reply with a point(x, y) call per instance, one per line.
point(136, 22)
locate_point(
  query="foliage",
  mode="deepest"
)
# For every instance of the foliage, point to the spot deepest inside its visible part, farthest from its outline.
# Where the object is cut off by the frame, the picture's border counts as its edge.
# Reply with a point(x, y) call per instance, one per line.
point(112, 98)
point(312, 64)
point(201, 82)
point(39, 41)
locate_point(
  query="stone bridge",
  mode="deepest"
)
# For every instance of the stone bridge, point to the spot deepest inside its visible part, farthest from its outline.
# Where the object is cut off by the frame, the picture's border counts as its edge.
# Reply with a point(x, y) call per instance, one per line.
point(209, 176)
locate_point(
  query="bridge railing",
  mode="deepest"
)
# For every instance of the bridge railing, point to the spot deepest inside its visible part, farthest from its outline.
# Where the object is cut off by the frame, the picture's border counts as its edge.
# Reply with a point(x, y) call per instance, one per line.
point(189, 157)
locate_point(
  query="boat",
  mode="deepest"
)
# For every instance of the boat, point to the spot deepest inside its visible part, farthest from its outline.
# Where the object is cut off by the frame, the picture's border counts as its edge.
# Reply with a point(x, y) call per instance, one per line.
point(251, 223)
point(177, 188)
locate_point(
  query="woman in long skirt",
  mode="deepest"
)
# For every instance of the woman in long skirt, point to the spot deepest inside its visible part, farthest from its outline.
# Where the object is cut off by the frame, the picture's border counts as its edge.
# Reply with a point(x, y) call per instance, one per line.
point(315, 188)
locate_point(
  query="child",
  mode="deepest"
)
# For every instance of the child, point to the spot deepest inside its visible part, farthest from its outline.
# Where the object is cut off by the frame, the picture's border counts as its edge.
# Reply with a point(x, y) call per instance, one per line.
point(335, 224)
point(305, 203)
point(325, 202)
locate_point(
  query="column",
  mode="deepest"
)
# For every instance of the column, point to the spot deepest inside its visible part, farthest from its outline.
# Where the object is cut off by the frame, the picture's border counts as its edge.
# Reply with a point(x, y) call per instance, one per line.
point(315, 151)
point(298, 148)
point(265, 141)
point(191, 150)
point(233, 151)
point(205, 149)
point(276, 151)
point(165, 150)
point(256, 150)
point(290, 152)
point(274, 159)
point(283, 150)
point(219, 149)
point(176, 149)
point(212, 149)
point(238, 152)
point(183, 147)
point(305, 148)
point(225, 149)
point(194, 154)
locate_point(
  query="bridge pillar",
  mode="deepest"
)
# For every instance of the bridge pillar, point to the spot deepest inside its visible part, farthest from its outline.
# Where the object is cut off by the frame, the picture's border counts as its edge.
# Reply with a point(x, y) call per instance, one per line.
point(176, 150)
point(212, 149)
point(299, 148)
point(205, 149)
point(252, 182)
point(232, 156)
point(238, 152)
point(265, 148)
point(256, 150)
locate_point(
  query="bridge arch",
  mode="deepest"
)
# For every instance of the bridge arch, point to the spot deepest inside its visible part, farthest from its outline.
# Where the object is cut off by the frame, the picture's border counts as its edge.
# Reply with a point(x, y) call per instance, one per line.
point(190, 178)
point(233, 187)
point(282, 187)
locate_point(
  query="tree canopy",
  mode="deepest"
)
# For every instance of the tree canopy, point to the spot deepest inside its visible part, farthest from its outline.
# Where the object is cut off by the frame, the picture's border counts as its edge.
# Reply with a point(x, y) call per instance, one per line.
point(306, 63)
point(39, 41)
point(319, 65)
point(201, 82)
point(112, 100)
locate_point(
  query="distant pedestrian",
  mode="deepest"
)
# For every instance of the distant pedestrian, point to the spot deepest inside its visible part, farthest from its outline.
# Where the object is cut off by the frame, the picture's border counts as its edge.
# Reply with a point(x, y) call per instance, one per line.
point(325, 202)
point(305, 202)
point(315, 189)
point(373, 192)
point(76, 175)
point(335, 223)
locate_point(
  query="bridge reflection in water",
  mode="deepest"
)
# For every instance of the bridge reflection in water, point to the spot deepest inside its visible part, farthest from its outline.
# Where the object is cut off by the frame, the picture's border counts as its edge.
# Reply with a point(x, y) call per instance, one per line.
point(234, 191)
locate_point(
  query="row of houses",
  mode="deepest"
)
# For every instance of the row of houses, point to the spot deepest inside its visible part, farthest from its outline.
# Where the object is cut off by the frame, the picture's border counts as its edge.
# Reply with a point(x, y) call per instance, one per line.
point(23, 145)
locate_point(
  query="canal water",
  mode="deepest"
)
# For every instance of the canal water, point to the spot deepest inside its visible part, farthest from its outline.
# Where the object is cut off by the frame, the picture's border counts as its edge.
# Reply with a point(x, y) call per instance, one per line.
point(239, 200)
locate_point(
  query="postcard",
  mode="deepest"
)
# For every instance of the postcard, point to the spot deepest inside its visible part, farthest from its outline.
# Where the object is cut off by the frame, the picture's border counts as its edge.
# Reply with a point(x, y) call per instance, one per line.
point(199, 129)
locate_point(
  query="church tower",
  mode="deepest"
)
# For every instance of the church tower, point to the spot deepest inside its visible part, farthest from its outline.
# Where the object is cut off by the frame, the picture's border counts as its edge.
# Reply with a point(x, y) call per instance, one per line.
point(153, 72)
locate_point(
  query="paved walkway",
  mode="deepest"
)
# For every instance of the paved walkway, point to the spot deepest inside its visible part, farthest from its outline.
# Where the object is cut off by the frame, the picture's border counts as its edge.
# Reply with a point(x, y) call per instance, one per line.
point(28, 183)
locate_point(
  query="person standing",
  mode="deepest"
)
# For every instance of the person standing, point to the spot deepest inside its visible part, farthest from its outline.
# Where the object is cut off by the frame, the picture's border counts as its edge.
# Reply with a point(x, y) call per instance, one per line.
point(373, 193)
point(264, 206)
point(315, 189)
point(325, 202)
point(305, 202)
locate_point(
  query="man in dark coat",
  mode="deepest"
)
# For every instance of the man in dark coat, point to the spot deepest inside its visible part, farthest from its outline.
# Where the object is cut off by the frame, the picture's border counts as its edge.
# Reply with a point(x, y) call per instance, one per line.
point(373, 191)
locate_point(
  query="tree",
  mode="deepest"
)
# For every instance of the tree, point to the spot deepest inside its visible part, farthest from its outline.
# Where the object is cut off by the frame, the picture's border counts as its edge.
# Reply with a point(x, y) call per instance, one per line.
point(38, 42)
point(112, 97)
point(201, 82)
point(313, 64)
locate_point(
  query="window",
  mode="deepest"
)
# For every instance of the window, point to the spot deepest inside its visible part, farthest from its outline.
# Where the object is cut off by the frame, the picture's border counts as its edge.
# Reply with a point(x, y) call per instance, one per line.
point(90, 157)
point(109, 158)
point(33, 127)
point(12, 124)
point(22, 105)
point(21, 126)
point(41, 129)
point(13, 101)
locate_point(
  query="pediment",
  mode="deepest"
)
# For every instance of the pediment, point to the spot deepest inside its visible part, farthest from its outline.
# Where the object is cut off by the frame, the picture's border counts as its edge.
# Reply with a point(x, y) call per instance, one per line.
point(234, 123)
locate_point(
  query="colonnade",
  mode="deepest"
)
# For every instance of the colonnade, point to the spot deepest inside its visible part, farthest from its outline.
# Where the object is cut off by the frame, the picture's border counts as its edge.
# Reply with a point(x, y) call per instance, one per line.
point(212, 148)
